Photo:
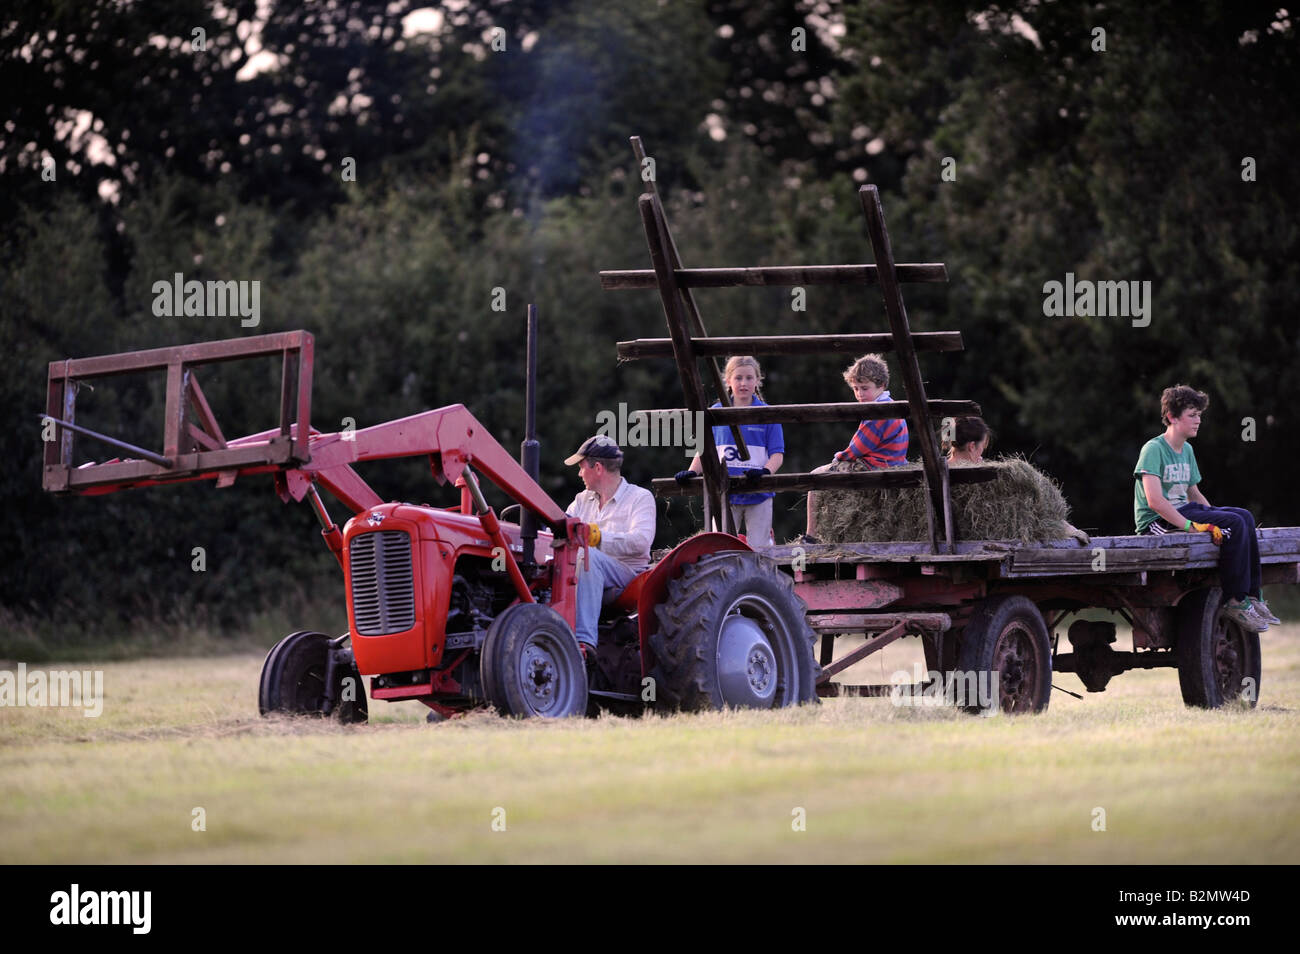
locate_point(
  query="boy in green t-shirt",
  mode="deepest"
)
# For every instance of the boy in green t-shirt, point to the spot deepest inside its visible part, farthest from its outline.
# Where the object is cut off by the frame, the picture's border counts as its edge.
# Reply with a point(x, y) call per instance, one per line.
point(1167, 498)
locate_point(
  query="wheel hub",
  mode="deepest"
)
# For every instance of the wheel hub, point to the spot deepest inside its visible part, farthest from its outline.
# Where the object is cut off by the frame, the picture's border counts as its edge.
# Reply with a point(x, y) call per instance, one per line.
point(309, 690)
point(539, 676)
point(1227, 663)
point(1013, 663)
point(746, 664)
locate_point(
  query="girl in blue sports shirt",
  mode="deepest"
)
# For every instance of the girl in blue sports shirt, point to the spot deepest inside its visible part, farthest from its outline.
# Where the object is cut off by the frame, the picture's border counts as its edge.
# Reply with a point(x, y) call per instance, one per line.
point(751, 510)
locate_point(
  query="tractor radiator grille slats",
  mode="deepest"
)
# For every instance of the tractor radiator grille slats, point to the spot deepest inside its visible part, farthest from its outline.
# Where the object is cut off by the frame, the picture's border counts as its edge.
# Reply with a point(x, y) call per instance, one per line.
point(383, 584)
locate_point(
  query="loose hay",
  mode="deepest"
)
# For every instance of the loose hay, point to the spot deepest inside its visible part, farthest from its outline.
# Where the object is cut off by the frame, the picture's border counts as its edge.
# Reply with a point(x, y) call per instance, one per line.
point(1021, 503)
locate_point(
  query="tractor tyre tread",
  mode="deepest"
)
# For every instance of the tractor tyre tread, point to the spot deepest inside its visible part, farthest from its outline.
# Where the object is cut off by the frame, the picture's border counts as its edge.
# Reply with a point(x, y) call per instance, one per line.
point(684, 643)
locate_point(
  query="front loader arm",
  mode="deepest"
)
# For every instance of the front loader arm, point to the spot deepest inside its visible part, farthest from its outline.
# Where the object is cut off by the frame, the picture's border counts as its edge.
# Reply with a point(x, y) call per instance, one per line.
point(451, 436)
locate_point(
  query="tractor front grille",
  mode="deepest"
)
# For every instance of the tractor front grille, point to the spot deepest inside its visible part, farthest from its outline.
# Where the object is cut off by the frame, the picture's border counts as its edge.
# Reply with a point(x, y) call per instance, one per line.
point(383, 583)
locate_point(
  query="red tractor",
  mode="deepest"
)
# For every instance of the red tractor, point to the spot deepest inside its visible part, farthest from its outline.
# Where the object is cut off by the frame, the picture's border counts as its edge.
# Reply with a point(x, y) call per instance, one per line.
point(450, 606)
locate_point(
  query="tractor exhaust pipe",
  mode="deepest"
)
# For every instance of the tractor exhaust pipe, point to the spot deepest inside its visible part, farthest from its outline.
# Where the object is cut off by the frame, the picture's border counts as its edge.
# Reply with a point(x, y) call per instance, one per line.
point(530, 449)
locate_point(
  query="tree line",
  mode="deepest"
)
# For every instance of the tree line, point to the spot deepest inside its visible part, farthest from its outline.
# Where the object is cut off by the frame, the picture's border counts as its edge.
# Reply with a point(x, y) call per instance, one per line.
point(1016, 144)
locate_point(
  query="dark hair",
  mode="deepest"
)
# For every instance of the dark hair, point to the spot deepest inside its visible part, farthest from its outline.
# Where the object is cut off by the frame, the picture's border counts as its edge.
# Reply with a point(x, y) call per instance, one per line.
point(968, 430)
point(1175, 400)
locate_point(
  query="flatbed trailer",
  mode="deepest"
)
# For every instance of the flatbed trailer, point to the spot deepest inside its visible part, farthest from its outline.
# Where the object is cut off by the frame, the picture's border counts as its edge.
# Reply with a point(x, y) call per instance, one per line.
point(999, 607)
point(983, 609)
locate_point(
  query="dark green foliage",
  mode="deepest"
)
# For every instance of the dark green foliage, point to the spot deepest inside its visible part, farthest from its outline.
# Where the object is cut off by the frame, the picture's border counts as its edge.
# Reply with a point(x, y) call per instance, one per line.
point(1118, 165)
point(479, 169)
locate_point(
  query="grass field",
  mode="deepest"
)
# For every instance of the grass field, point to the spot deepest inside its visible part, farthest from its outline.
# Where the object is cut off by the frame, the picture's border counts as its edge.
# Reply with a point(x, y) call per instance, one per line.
point(871, 782)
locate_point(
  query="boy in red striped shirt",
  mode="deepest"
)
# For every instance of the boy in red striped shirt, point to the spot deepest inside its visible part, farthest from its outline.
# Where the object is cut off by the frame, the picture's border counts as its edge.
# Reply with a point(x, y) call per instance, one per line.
point(878, 443)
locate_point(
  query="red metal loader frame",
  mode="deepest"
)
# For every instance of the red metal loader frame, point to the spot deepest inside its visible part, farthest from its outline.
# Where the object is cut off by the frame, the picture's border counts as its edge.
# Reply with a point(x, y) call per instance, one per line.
point(412, 664)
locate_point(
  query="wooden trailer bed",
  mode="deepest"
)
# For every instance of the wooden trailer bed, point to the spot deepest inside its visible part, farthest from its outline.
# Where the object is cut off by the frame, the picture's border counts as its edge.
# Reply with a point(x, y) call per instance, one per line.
point(1165, 588)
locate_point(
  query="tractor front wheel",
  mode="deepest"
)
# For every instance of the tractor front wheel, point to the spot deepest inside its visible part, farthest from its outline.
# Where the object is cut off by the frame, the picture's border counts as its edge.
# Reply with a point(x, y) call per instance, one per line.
point(732, 632)
point(294, 676)
point(531, 664)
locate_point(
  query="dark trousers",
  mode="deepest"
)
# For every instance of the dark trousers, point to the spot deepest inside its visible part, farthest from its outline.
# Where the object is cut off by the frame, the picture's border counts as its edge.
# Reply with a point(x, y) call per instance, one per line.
point(1239, 555)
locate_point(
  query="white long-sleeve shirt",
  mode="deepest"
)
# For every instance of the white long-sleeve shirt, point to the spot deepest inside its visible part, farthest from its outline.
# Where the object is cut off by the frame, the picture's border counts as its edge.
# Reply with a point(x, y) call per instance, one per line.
point(627, 522)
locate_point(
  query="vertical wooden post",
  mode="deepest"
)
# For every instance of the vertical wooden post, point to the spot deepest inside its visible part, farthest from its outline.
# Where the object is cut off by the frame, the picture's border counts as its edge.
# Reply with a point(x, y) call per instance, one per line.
point(688, 298)
point(947, 507)
point(715, 475)
point(918, 410)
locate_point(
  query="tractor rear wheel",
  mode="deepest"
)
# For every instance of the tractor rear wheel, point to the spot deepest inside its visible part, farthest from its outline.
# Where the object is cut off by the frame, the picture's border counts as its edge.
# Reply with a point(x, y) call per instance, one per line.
point(732, 632)
point(293, 679)
point(531, 665)
point(1005, 643)
point(1218, 661)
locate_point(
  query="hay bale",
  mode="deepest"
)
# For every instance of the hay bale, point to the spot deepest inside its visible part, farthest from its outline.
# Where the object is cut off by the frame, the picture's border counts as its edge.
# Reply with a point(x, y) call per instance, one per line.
point(1021, 503)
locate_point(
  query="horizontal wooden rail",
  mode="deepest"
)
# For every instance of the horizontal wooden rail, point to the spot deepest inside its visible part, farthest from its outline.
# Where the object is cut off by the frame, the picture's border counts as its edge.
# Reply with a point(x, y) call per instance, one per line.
point(907, 551)
point(1124, 555)
point(841, 480)
point(1189, 551)
point(820, 413)
point(773, 275)
point(788, 344)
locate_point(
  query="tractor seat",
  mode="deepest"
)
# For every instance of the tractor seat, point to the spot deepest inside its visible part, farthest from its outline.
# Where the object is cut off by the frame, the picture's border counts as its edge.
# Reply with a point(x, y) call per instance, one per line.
point(631, 593)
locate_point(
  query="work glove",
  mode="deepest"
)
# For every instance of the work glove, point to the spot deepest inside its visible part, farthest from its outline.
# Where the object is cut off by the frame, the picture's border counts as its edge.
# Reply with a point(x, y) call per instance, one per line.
point(753, 475)
point(685, 476)
point(1217, 534)
point(593, 535)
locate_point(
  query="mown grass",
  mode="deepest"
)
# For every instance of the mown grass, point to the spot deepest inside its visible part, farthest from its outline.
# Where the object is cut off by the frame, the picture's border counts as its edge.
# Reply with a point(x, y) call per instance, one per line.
point(875, 783)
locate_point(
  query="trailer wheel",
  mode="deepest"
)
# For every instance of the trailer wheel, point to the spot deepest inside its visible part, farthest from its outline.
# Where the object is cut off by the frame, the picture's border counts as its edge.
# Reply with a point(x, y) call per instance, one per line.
point(531, 665)
point(293, 679)
point(1218, 661)
point(732, 632)
point(1007, 638)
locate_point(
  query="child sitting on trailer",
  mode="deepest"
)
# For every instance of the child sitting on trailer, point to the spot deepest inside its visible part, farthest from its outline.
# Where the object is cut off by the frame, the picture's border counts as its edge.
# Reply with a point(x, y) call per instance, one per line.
point(1167, 498)
point(879, 443)
point(970, 439)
